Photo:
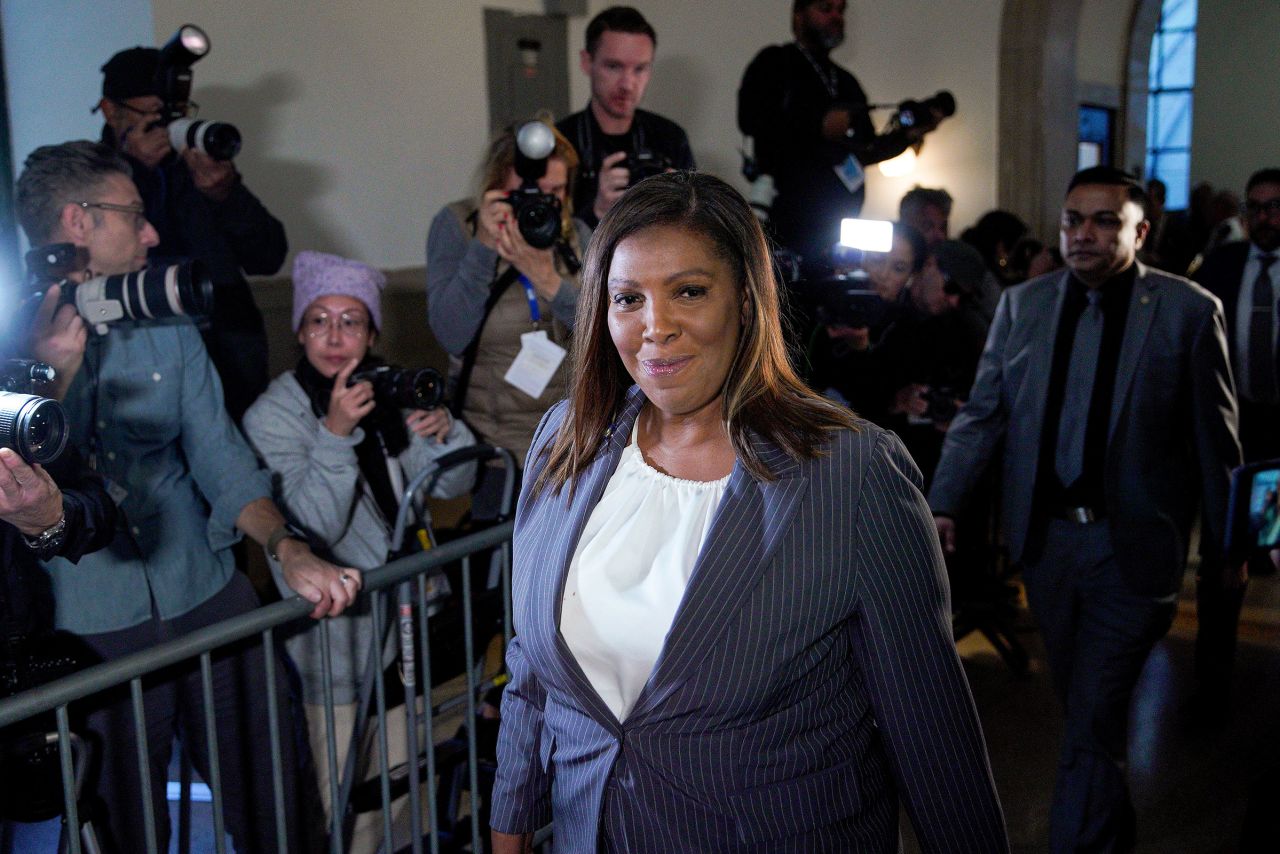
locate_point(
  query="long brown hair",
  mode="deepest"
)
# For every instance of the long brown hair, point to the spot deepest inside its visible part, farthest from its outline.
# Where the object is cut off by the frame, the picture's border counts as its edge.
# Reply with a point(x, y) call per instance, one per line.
point(762, 393)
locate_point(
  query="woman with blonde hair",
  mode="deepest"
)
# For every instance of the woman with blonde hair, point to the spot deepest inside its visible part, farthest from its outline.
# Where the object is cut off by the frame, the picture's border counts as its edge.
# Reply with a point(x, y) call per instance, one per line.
point(493, 298)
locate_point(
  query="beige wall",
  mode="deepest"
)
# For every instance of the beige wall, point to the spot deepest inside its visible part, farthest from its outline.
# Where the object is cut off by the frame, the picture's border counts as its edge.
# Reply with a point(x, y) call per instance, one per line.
point(1103, 42)
point(1235, 123)
point(361, 120)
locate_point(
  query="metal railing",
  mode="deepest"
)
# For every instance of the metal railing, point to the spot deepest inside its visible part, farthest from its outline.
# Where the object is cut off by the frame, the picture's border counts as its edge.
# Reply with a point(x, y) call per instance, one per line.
point(400, 576)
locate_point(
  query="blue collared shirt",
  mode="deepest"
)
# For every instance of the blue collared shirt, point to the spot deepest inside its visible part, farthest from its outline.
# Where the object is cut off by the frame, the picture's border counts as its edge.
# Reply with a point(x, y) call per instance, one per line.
point(146, 409)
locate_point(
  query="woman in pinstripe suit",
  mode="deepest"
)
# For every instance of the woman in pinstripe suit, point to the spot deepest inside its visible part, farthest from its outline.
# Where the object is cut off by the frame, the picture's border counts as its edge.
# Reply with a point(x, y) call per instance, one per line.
point(733, 629)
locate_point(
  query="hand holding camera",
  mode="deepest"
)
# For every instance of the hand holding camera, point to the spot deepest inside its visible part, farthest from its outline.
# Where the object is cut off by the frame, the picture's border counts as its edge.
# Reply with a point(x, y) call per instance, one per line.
point(58, 339)
point(214, 178)
point(613, 182)
point(430, 424)
point(29, 499)
point(349, 402)
point(500, 231)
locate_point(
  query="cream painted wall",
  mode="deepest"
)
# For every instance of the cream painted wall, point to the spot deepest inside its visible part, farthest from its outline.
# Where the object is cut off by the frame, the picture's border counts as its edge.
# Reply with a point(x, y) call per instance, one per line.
point(361, 120)
point(1103, 42)
point(1235, 124)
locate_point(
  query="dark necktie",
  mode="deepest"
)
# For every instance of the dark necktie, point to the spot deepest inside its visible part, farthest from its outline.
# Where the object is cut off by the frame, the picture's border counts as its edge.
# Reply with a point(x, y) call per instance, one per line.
point(1072, 426)
point(1262, 359)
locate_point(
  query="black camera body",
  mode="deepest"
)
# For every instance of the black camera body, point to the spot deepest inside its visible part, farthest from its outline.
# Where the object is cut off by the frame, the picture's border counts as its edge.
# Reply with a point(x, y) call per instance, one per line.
point(219, 140)
point(152, 293)
point(403, 388)
point(643, 164)
point(912, 114)
point(844, 301)
point(942, 405)
point(537, 213)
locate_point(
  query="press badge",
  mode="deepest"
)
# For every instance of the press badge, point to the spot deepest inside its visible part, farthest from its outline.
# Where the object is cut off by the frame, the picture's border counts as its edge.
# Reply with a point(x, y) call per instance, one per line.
point(535, 364)
point(850, 174)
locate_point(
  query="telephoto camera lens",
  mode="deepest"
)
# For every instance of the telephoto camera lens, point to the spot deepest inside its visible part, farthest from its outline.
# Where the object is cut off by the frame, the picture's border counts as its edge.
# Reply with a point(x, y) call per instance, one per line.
point(35, 427)
point(219, 140)
point(404, 388)
point(153, 293)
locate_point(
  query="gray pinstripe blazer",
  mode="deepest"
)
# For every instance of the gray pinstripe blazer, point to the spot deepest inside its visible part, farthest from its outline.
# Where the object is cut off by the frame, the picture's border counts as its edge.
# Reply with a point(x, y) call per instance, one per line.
point(808, 681)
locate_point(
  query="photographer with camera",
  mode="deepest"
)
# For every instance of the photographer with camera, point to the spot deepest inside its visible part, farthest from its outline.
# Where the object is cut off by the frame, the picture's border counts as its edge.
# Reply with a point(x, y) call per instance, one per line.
point(812, 134)
point(342, 450)
point(619, 144)
point(58, 510)
point(502, 307)
point(197, 203)
point(145, 408)
point(913, 378)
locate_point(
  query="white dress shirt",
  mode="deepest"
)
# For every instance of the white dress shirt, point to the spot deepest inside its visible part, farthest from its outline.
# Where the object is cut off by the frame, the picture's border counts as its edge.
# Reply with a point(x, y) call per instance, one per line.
point(629, 573)
point(1244, 310)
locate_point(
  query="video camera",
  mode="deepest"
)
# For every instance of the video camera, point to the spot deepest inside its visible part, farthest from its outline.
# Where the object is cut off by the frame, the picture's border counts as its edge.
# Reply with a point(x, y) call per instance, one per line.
point(152, 293)
point(847, 299)
point(219, 140)
point(403, 388)
point(33, 426)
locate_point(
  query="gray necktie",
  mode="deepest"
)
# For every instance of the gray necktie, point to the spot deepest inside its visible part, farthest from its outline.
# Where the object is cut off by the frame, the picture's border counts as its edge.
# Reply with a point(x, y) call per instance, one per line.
point(1262, 359)
point(1074, 422)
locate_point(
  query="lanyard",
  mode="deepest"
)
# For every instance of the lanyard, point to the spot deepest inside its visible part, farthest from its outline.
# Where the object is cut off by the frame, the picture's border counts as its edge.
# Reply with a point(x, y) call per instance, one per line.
point(535, 314)
point(828, 77)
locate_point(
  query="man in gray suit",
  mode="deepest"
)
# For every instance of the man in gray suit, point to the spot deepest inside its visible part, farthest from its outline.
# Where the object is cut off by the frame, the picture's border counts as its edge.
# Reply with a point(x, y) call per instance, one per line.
point(1110, 388)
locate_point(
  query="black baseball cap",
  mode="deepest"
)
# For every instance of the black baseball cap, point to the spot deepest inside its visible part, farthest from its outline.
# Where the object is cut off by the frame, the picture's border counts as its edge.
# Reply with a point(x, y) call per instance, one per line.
point(131, 74)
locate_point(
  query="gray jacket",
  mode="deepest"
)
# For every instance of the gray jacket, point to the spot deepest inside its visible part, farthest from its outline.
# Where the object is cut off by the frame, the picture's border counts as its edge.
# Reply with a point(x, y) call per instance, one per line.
point(319, 487)
point(1172, 440)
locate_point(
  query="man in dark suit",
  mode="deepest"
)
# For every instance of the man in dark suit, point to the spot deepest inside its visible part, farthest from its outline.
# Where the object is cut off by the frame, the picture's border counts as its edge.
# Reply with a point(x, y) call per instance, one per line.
point(1245, 275)
point(1110, 387)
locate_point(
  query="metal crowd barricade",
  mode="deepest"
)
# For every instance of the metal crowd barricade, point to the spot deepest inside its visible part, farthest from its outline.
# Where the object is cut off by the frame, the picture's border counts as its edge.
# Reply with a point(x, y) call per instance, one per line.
point(406, 576)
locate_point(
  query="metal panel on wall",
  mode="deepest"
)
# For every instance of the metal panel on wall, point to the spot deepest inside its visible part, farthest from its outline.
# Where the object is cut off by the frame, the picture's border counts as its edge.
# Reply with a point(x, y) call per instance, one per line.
point(528, 63)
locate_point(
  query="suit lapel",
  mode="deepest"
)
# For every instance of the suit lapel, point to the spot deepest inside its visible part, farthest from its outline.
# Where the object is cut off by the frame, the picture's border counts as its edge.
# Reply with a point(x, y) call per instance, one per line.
point(590, 487)
point(1137, 326)
point(1043, 338)
point(748, 524)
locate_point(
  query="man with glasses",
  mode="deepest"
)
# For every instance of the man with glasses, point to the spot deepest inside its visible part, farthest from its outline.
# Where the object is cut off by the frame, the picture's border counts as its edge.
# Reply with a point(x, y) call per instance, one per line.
point(145, 408)
point(1245, 275)
point(1109, 388)
point(200, 208)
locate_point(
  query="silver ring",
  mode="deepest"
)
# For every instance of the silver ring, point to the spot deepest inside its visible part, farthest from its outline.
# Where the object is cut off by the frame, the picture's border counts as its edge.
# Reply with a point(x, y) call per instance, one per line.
point(345, 579)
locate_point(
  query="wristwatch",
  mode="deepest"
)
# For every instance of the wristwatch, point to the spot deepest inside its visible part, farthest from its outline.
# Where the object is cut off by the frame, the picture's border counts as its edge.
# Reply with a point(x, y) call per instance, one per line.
point(284, 532)
point(48, 542)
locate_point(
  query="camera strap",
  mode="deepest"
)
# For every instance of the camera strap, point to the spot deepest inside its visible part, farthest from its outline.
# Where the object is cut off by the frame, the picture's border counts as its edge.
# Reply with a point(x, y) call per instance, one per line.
point(589, 167)
point(535, 313)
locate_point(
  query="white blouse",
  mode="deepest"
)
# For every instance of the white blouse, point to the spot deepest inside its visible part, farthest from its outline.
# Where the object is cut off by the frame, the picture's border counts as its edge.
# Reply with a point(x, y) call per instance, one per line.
point(629, 574)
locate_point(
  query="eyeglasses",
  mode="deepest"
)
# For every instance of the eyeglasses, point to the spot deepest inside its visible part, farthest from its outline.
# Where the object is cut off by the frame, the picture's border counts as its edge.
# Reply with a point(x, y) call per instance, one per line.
point(349, 324)
point(192, 109)
point(1270, 207)
point(139, 212)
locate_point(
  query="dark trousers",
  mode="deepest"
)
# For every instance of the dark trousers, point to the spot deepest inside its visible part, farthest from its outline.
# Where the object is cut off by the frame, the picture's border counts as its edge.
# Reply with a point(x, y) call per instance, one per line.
point(173, 705)
point(1097, 634)
point(1217, 607)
